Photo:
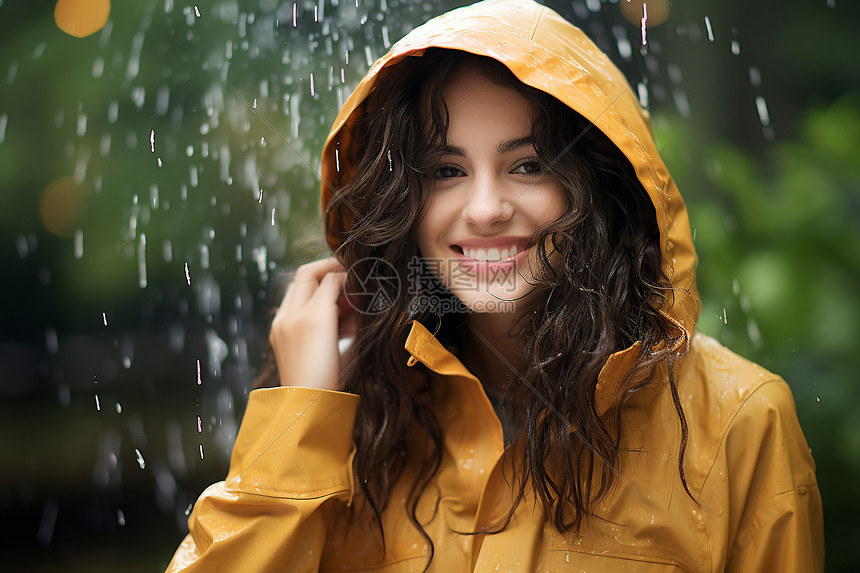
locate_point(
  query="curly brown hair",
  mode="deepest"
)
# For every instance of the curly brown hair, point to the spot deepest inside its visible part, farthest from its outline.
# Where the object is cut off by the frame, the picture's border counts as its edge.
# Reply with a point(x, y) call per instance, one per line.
point(603, 294)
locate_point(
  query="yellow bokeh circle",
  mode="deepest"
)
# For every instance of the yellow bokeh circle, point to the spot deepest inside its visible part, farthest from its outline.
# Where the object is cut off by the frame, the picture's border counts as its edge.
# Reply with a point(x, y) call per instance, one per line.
point(80, 18)
point(657, 11)
point(61, 206)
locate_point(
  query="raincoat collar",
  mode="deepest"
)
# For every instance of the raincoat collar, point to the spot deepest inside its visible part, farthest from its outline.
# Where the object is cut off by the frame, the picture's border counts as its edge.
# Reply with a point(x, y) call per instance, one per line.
point(425, 348)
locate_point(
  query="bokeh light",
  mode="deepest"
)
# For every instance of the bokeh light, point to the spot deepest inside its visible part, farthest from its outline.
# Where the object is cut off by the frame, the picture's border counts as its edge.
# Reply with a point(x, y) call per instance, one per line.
point(61, 205)
point(655, 12)
point(80, 18)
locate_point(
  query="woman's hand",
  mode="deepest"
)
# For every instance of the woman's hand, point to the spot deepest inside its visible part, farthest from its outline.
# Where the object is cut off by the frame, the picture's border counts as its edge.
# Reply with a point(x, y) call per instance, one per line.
point(312, 317)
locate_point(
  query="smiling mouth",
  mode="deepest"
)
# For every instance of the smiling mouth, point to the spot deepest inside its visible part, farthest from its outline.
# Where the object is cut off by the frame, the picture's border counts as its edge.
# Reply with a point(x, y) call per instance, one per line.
point(491, 254)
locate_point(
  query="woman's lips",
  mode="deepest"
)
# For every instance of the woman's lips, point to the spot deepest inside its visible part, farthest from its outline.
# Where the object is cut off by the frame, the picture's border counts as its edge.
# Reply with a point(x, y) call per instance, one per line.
point(490, 254)
point(482, 258)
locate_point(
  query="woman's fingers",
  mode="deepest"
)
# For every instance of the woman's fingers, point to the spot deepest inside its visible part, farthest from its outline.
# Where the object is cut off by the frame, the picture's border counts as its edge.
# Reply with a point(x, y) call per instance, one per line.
point(305, 330)
point(307, 279)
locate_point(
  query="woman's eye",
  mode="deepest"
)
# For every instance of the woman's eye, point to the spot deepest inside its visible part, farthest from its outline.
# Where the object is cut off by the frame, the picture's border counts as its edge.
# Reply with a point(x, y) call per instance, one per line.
point(446, 172)
point(529, 167)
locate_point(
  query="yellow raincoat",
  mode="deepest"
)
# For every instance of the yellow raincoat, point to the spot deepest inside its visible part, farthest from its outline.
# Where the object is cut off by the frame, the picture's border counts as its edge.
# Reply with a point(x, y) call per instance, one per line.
point(755, 506)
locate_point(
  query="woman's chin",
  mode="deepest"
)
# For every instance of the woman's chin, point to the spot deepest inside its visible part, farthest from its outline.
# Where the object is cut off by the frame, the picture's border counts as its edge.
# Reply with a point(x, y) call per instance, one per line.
point(496, 300)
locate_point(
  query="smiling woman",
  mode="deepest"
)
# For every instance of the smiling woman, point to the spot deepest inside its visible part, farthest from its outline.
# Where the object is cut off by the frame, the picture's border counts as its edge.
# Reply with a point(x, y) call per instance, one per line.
point(488, 196)
point(495, 155)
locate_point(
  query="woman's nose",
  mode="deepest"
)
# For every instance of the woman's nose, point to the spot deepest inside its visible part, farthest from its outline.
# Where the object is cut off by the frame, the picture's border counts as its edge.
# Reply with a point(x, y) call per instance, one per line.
point(486, 203)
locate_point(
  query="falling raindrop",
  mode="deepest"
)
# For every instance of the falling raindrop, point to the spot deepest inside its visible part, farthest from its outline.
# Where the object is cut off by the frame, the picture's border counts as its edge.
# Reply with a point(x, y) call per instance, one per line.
point(138, 96)
point(162, 100)
point(79, 243)
point(644, 23)
point(709, 29)
point(139, 456)
point(104, 145)
point(643, 94)
point(133, 67)
point(113, 111)
point(625, 49)
point(763, 114)
point(141, 261)
point(204, 257)
point(753, 332)
point(755, 77)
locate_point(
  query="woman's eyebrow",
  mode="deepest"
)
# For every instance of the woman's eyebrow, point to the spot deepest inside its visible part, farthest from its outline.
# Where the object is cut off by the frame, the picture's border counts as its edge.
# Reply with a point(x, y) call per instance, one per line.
point(514, 144)
point(504, 147)
point(453, 150)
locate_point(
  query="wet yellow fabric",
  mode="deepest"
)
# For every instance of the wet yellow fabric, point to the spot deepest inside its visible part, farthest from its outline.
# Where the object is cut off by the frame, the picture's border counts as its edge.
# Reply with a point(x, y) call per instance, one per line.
point(753, 502)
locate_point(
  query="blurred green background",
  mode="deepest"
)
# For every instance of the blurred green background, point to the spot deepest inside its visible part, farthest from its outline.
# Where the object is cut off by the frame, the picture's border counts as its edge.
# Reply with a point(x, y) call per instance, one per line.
point(160, 176)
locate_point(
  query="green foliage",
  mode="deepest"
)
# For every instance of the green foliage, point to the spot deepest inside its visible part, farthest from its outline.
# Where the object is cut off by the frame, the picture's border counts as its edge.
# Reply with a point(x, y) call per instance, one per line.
point(778, 238)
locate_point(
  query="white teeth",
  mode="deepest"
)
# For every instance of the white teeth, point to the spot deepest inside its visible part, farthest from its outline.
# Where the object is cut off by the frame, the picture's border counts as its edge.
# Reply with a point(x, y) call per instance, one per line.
point(490, 255)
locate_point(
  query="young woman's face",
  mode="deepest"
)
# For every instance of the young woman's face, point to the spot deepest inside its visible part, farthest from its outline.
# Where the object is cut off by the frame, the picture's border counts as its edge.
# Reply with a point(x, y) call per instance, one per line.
point(487, 196)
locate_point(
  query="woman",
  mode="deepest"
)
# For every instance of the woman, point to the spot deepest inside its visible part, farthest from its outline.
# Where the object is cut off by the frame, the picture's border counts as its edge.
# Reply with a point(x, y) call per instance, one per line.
point(497, 208)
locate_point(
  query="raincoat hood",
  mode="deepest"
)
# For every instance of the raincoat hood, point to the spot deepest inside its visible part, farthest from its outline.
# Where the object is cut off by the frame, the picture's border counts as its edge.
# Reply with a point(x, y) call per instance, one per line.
point(548, 53)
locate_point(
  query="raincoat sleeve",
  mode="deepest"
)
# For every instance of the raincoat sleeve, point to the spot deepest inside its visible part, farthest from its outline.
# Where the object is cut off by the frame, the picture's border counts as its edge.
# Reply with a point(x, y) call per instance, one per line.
point(774, 499)
point(291, 464)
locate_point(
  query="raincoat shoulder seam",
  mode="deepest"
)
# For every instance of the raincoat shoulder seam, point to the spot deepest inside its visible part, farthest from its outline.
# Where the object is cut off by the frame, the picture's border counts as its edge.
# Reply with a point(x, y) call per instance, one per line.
point(725, 431)
point(801, 489)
